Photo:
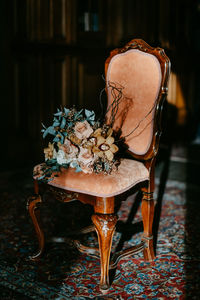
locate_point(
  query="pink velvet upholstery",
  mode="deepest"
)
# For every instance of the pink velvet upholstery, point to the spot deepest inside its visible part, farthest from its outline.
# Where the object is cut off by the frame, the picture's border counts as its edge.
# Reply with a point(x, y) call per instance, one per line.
point(139, 74)
point(129, 173)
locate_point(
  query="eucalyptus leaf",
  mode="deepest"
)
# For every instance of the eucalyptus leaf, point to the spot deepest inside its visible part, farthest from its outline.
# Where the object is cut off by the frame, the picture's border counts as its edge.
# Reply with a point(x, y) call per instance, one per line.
point(70, 124)
point(78, 169)
point(90, 114)
point(58, 114)
point(50, 179)
point(51, 130)
point(50, 162)
point(41, 177)
point(56, 139)
point(45, 134)
point(63, 123)
point(56, 123)
point(73, 164)
point(80, 111)
point(66, 110)
point(78, 115)
point(43, 126)
point(61, 138)
point(55, 168)
point(91, 122)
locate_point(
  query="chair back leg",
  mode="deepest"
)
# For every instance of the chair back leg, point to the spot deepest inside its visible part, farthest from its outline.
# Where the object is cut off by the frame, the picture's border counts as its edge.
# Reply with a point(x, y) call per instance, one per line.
point(148, 211)
point(147, 216)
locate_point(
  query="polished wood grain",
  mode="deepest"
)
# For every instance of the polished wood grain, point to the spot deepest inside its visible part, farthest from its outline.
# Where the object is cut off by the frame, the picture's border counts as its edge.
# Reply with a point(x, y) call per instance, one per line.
point(105, 226)
point(104, 205)
point(148, 215)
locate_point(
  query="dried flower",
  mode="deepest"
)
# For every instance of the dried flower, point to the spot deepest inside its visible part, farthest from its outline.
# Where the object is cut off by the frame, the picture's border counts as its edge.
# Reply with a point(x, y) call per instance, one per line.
point(75, 139)
point(81, 142)
point(62, 158)
point(69, 148)
point(49, 151)
point(83, 130)
point(87, 169)
point(105, 147)
point(85, 157)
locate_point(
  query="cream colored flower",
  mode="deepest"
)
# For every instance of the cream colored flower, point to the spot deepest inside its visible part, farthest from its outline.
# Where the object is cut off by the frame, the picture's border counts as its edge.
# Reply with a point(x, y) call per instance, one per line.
point(85, 156)
point(61, 157)
point(49, 151)
point(105, 146)
point(70, 149)
point(83, 130)
point(74, 139)
point(87, 169)
point(98, 132)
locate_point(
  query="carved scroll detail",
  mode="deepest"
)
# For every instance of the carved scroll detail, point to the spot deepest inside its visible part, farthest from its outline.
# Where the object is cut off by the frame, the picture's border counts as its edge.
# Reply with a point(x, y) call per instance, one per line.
point(62, 195)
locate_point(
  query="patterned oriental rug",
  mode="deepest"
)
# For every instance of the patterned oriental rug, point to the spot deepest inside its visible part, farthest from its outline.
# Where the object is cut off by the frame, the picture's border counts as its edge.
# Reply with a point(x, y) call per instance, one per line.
point(63, 273)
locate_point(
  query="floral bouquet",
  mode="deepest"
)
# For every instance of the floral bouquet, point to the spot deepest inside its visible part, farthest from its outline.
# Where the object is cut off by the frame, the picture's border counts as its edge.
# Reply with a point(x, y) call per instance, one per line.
point(80, 142)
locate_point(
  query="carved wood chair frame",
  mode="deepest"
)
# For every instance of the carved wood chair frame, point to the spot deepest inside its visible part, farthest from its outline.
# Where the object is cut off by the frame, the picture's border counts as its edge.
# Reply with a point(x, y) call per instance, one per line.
point(104, 217)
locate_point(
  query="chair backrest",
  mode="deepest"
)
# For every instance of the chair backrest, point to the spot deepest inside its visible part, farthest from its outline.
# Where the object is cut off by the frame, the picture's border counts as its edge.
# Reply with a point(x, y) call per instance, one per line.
point(136, 80)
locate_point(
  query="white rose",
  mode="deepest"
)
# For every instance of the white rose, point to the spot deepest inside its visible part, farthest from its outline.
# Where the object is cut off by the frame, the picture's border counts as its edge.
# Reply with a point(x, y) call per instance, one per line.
point(61, 158)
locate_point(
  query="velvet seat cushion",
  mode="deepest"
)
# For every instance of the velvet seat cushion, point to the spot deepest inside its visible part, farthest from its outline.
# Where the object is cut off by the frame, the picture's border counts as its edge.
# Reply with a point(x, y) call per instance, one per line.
point(129, 173)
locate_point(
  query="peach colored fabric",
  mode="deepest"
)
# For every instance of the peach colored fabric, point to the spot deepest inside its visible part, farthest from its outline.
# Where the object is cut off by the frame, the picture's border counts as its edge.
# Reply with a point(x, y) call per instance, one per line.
point(139, 74)
point(129, 173)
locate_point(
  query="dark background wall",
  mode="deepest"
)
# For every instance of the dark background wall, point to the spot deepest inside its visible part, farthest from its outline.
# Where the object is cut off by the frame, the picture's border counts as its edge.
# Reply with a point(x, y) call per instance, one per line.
point(53, 54)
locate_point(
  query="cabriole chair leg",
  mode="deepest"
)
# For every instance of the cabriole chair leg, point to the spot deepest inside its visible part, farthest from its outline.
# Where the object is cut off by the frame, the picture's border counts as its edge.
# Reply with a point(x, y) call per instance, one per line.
point(33, 208)
point(105, 227)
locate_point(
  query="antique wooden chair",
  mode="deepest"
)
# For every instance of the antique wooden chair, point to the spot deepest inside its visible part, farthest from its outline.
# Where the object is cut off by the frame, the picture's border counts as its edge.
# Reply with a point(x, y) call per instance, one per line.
point(143, 73)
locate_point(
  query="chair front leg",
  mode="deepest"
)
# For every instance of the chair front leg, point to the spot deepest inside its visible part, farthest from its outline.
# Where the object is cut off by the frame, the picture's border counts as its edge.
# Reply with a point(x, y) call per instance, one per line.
point(33, 208)
point(105, 227)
